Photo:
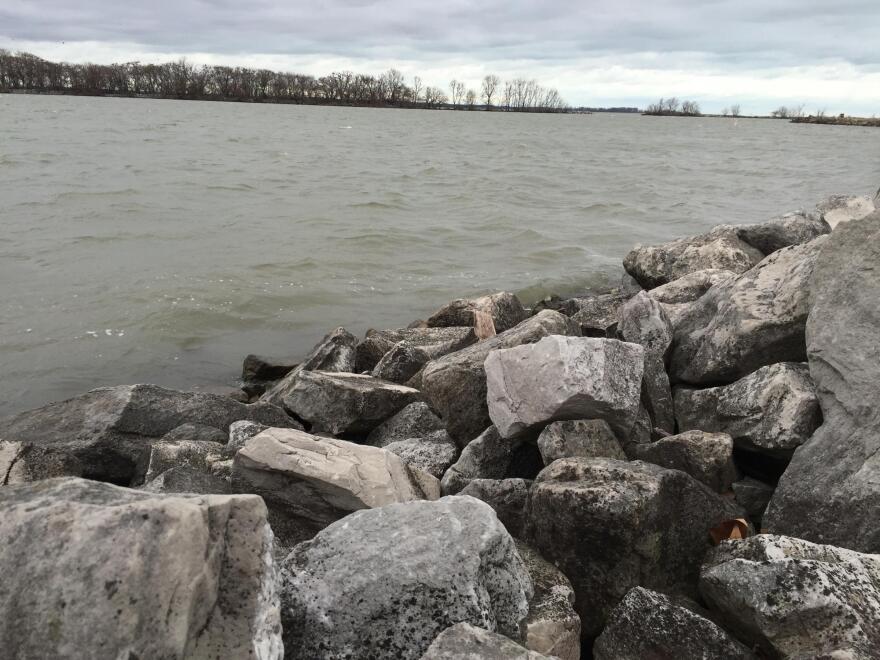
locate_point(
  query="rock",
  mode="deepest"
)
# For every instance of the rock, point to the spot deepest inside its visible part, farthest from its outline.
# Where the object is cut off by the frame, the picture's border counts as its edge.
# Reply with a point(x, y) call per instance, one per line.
point(455, 385)
point(309, 482)
point(258, 368)
point(401, 363)
point(336, 353)
point(489, 456)
point(753, 496)
point(105, 434)
point(676, 297)
point(345, 403)
point(796, 599)
point(436, 342)
point(641, 434)
point(831, 490)
point(414, 421)
point(190, 479)
point(839, 209)
point(720, 249)
point(611, 525)
point(239, 433)
point(507, 497)
point(707, 457)
point(647, 624)
point(597, 315)
point(561, 378)
point(504, 308)
point(384, 582)
point(786, 230)
point(197, 454)
point(196, 433)
point(773, 410)
point(588, 438)
point(747, 323)
point(94, 570)
point(433, 453)
point(465, 642)
point(552, 627)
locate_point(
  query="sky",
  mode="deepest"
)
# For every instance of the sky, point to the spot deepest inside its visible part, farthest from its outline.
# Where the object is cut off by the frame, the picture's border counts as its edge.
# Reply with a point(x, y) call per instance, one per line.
point(759, 54)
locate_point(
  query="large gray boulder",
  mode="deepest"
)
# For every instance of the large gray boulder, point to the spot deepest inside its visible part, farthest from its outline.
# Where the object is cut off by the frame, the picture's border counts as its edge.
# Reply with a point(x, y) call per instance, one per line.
point(309, 482)
point(92, 570)
point(455, 385)
point(795, 599)
point(106, 434)
point(839, 209)
point(647, 624)
point(434, 342)
point(466, 642)
point(790, 229)
point(720, 249)
point(707, 457)
point(773, 410)
point(744, 324)
point(433, 453)
point(503, 308)
point(385, 582)
point(831, 490)
point(507, 497)
point(345, 403)
point(414, 421)
point(562, 378)
point(587, 438)
point(611, 525)
point(489, 456)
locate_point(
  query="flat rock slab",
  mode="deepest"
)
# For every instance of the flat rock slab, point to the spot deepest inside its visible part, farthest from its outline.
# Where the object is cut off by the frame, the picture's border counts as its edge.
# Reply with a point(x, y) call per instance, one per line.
point(144, 575)
point(561, 378)
point(464, 641)
point(385, 582)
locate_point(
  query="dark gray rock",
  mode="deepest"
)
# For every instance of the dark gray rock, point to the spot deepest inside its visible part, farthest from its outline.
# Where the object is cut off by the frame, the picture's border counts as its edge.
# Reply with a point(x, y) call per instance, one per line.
point(92, 570)
point(259, 368)
point(455, 384)
point(466, 642)
point(707, 457)
point(647, 624)
point(414, 421)
point(611, 525)
point(753, 496)
point(504, 308)
point(489, 456)
point(831, 490)
point(597, 315)
point(384, 582)
point(401, 363)
point(772, 411)
point(796, 599)
point(786, 230)
point(105, 434)
point(587, 438)
point(433, 453)
point(436, 342)
point(506, 496)
point(239, 433)
point(744, 324)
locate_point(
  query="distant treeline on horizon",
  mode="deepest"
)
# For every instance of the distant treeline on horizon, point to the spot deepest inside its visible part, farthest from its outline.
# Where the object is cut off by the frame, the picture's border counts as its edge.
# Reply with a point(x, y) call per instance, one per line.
point(182, 80)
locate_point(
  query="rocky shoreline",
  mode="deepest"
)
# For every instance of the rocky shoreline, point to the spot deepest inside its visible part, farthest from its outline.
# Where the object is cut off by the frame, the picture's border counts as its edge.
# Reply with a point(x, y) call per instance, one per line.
point(685, 467)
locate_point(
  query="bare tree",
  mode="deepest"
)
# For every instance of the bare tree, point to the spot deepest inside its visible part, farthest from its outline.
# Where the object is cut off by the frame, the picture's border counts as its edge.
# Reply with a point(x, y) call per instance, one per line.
point(691, 108)
point(416, 89)
point(734, 110)
point(456, 91)
point(471, 99)
point(490, 85)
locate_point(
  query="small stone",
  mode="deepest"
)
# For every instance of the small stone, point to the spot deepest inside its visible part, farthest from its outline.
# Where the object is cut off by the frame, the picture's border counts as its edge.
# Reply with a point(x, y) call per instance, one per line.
point(587, 438)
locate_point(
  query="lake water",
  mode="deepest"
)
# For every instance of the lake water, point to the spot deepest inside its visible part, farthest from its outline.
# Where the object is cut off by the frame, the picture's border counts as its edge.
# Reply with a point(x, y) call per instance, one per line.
point(161, 241)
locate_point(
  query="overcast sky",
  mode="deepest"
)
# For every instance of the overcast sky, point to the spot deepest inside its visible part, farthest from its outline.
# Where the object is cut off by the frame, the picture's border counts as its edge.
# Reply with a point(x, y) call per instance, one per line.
point(759, 53)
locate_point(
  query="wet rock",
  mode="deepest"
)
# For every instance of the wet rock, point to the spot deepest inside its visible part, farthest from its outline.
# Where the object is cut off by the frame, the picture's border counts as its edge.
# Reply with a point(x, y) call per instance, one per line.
point(755, 320)
point(489, 456)
point(611, 525)
point(433, 453)
point(86, 562)
point(335, 352)
point(647, 624)
point(773, 410)
point(436, 342)
point(239, 433)
point(384, 582)
point(562, 378)
point(504, 308)
point(106, 434)
point(455, 385)
point(753, 496)
point(720, 249)
point(707, 457)
point(587, 438)
point(597, 315)
point(831, 490)
point(414, 421)
point(839, 209)
point(258, 372)
point(506, 496)
point(309, 482)
point(463, 641)
point(552, 627)
point(345, 403)
point(786, 230)
point(796, 599)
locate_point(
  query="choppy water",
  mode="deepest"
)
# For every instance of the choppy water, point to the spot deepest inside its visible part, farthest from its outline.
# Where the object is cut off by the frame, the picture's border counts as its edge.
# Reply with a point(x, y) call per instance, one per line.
point(161, 241)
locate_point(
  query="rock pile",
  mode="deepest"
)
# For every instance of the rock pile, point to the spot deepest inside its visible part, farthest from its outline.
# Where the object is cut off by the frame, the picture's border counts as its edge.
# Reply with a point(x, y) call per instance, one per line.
point(687, 470)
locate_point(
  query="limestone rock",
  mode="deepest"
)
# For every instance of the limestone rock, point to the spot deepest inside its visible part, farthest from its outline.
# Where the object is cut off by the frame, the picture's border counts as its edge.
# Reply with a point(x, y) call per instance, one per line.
point(831, 490)
point(414, 421)
point(562, 378)
point(707, 457)
point(489, 456)
point(384, 582)
point(142, 575)
point(466, 642)
point(647, 624)
point(309, 482)
point(747, 323)
point(597, 315)
point(610, 526)
point(587, 438)
point(433, 453)
point(504, 308)
point(677, 296)
point(435, 342)
point(786, 230)
point(239, 433)
point(839, 209)
point(796, 599)
point(773, 410)
point(345, 403)
point(455, 385)
point(507, 497)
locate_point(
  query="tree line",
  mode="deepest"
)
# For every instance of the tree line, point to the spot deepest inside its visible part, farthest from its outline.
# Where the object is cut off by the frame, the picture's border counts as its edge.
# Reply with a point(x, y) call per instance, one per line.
point(183, 80)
